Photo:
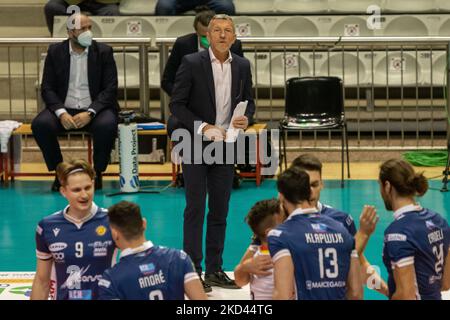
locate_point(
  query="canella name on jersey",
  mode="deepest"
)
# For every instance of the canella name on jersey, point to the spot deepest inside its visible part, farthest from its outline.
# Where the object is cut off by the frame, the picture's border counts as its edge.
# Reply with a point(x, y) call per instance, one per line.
point(152, 280)
point(436, 236)
point(324, 238)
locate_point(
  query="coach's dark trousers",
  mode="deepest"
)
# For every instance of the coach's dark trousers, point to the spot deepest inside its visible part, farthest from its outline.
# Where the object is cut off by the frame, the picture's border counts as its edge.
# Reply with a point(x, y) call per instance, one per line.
point(103, 128)
point(216, 180)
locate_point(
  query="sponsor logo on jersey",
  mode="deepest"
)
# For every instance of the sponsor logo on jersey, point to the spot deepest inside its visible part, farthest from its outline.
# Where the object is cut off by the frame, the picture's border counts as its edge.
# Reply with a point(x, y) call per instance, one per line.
point(147, 268)
point(395, 237)
point(100, 230)
point(39, 230)
point(58, 257)
point(56, 231)
point(100, 248)
point(274, 233)
point(310, 285)
point(57, 246)
point(100, 252)
point(80, 295)
point(76, 277)
point(319, 227)
point(432, 279)
point(104, 283)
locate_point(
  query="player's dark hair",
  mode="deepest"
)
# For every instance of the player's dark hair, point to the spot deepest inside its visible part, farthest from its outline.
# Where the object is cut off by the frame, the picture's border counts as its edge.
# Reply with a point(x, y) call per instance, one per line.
point(65, 169)
point(260, 216)
point(126, 217)
point(293, 184)
point(401, 175)
point(203, 15)
point(307, 162)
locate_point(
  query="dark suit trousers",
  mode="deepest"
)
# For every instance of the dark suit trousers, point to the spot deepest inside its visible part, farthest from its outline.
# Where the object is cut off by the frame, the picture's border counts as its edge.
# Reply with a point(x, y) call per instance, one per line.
point(216, 181)
point(103, 128)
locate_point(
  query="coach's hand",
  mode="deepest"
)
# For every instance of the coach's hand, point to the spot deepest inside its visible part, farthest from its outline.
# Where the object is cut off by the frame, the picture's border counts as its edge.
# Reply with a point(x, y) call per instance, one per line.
point(368, 220)
point(82, 119)
point(240, 122)
point(67, 121)
point(214, 133)
point(258, 265)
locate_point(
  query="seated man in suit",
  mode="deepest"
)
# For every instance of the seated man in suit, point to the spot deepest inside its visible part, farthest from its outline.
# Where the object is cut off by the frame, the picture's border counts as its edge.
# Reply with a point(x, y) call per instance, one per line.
point(190, 43)
point(79, 89)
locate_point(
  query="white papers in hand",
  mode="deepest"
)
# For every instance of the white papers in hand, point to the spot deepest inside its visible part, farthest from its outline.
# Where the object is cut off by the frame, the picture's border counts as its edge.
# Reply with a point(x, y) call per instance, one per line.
point(232, 132)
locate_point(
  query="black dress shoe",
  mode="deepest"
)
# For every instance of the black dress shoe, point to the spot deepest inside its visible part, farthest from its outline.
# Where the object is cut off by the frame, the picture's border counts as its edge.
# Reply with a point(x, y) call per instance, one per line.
point(98, 181)
point(56, 185)
point(206, 286)
point(220, 279)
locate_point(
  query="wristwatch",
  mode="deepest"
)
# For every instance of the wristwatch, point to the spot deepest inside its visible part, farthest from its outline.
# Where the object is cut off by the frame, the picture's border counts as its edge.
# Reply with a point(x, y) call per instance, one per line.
point(91, 114)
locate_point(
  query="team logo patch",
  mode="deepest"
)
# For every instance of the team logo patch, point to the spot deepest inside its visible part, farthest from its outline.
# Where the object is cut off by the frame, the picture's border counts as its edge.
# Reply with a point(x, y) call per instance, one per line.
point(319, 227)
point(100, 230)
point(147, 268)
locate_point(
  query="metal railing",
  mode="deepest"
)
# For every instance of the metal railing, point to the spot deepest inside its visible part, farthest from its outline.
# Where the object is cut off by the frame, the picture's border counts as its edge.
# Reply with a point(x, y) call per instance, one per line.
point(20, 79)
point(24, 59)
point(395, 87)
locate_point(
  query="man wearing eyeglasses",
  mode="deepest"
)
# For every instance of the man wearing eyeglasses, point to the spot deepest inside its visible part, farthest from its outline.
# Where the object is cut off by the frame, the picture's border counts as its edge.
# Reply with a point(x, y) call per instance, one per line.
point(79, 89)
point(208, 86)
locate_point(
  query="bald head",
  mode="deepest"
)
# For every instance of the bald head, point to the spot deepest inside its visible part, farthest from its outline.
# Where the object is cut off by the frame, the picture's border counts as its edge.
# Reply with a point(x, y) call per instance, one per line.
point(79, 32)
point(77, 21)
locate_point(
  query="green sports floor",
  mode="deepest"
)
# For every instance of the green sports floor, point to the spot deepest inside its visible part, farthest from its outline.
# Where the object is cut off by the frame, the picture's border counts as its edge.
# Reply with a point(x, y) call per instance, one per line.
point(24, 203)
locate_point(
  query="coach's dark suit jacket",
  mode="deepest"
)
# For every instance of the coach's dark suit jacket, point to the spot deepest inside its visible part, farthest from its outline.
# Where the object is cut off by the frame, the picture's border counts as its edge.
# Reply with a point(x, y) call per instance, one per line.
point(183, 46)
point(193, 97)
point(102, 76)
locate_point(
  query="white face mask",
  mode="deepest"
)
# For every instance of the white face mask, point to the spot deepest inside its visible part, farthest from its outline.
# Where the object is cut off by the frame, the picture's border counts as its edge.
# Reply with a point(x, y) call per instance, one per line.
point(85, 39)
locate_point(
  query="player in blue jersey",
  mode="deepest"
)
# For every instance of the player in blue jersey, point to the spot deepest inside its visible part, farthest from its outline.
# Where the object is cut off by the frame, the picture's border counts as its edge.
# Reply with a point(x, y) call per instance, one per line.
point(146, 271)
point(367, 221)
point(416, 243)
point(314, 255)
point(73, 246)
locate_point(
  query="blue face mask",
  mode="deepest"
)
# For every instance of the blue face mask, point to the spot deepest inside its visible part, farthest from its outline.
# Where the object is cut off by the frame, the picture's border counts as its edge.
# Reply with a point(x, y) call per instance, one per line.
point(204, 42)
point(85, 39)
